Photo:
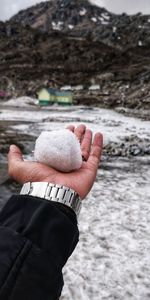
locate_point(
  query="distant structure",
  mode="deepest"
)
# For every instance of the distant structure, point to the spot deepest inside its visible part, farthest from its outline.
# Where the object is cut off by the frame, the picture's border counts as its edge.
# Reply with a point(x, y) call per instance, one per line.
point(78, 87)
point(49, 96)
point(72, 88)
point(3, 94)
point(46, 96)
point(94, 87)
point(66, 88)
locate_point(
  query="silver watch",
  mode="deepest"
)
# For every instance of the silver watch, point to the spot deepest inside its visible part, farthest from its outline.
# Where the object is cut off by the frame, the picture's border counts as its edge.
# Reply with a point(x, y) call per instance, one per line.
point(53, 192)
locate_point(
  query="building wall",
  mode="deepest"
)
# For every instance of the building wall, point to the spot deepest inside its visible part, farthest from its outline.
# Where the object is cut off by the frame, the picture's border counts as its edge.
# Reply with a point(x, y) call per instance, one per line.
point(55, 96)
point(64, 99)
point(44, 95)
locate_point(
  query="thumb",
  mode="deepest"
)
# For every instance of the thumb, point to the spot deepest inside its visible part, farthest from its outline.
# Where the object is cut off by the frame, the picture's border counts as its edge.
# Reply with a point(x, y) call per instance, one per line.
point(14, 154)
point(14, 157)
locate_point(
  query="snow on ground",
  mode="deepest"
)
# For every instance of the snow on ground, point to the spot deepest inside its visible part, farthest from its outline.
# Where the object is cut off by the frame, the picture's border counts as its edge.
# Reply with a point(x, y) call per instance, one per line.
point(21, 102)
point(112, 259)
point(113, 125)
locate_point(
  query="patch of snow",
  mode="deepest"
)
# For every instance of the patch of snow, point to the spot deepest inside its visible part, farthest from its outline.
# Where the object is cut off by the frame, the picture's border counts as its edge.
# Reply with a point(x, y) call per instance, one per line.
point(97, 119)
point(101, 19)
point(70, 26)
point(21, 102)
point(82, 12)
point(112, 258)
point(114, 29)
point(140, 43)
point(105, 16)
point(141, 26)
point(105, 23)
point(94, 19)
point(57, 26)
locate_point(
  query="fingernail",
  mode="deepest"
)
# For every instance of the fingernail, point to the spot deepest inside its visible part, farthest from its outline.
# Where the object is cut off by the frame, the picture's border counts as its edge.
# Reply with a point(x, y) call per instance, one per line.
point(13, 148)
point(100, 139)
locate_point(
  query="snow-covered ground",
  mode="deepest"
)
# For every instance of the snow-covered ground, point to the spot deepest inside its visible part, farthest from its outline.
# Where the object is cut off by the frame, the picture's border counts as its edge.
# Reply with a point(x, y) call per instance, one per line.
point(113, 125)
point(112, 259)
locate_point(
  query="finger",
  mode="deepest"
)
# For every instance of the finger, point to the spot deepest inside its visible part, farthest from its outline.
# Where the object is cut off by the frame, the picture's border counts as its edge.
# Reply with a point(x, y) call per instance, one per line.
point(86, 144)
point(15, 153)
point(70, 127)
point(14, 157)
point(96, 151)
point(79, 132)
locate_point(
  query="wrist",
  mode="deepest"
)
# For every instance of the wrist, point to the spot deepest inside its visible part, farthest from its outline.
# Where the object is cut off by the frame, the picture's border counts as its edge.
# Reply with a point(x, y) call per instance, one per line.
point(53, 192)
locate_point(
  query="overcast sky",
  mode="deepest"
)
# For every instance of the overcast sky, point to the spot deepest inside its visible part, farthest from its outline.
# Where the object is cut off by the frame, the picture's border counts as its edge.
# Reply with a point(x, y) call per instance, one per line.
point(10, 7)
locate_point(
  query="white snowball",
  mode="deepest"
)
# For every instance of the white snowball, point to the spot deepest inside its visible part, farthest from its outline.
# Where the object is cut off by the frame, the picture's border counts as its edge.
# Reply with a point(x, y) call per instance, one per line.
point(58, 149)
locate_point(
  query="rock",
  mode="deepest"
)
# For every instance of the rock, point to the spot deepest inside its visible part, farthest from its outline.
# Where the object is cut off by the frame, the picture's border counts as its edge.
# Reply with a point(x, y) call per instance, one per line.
point(135, 150)
point(147, 149)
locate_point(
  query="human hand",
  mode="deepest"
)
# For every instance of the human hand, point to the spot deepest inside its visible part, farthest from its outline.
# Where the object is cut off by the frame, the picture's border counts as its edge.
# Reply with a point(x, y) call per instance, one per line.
point(81, 181)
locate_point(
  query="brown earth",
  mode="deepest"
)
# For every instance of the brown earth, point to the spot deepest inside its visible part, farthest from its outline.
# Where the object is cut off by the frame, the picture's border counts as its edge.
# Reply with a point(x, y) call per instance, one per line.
point(115, 56)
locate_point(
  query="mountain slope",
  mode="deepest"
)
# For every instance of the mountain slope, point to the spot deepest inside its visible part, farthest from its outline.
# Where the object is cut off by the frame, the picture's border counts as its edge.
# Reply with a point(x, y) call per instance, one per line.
point(82, 19)
point(99, 47)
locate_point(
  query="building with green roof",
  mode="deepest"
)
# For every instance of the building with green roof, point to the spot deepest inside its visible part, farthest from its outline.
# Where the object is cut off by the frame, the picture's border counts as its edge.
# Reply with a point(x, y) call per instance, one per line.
point(49, 96)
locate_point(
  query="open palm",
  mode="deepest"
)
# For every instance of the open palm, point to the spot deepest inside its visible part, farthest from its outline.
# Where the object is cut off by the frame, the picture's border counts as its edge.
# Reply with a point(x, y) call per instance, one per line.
point(80, 180)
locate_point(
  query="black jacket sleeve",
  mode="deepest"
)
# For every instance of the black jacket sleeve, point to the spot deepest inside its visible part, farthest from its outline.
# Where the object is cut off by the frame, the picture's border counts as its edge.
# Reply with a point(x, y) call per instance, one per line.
point(36, 238)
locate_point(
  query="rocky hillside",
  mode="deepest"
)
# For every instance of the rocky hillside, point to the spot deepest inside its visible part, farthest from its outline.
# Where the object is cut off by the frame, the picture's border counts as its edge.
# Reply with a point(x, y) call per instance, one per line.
point(82, 19)
point(75, 42)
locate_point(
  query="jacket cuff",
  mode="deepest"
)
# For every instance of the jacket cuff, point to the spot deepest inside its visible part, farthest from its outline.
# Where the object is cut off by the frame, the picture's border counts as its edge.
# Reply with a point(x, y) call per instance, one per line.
point(46, 224)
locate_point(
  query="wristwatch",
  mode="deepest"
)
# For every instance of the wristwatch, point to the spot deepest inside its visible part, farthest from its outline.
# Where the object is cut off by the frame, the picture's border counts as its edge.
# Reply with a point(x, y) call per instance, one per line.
point(53, 192)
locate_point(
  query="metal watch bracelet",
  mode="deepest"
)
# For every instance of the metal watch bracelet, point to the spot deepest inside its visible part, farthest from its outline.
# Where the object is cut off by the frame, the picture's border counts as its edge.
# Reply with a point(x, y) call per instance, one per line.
point(53, 192)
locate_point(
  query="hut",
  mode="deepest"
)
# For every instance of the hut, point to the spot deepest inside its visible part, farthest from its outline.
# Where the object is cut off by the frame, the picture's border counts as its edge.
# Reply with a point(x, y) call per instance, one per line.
point(64, 97)
point(47, 96)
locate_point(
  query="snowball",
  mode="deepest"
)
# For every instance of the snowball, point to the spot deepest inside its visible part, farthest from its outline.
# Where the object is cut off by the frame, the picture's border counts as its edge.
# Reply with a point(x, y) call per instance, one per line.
point(58, 149)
